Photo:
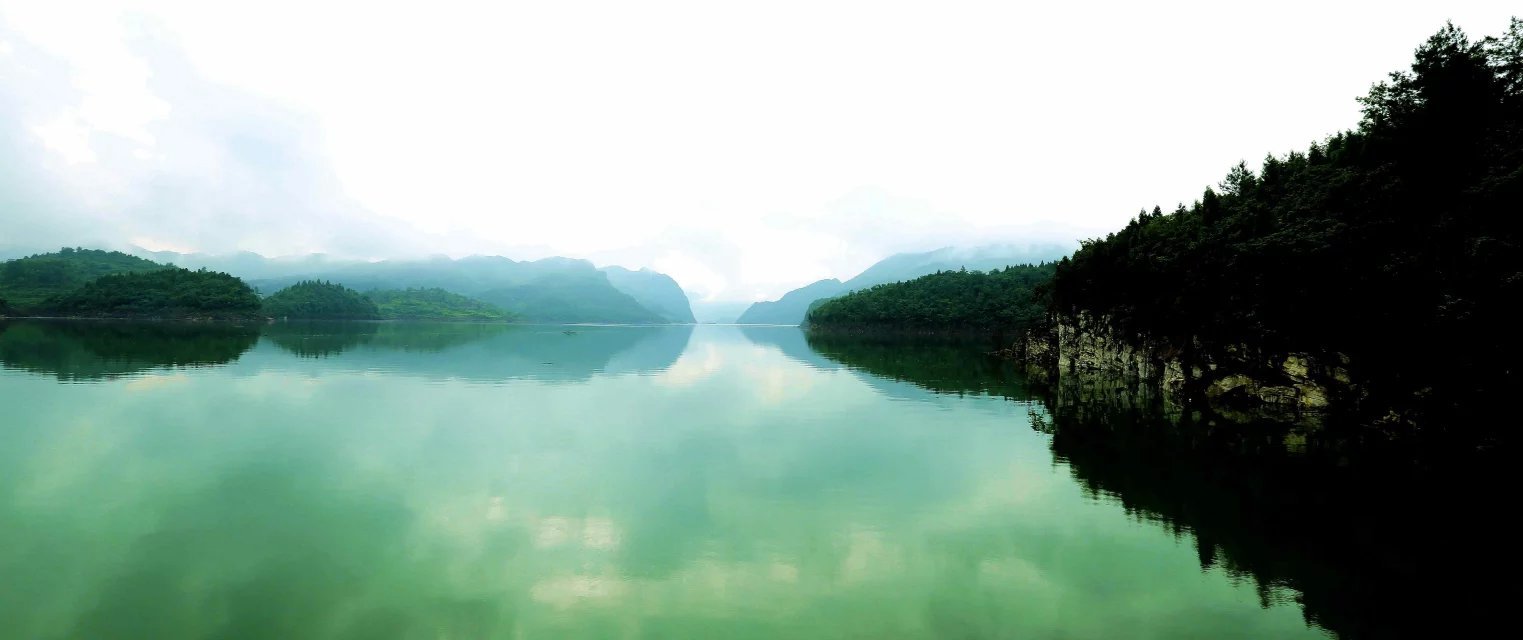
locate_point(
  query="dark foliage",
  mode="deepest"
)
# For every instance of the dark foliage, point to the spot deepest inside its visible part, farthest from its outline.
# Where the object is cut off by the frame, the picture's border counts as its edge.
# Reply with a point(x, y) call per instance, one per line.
point(28, 282)
point(793, 307)
point(1396, 243)
point(320, 338)
point(166, 292)
point(88, 350)
point(947, 366)
point(1329, 523)
point(1332, 524)
point(1001, 300)
point(312, 299)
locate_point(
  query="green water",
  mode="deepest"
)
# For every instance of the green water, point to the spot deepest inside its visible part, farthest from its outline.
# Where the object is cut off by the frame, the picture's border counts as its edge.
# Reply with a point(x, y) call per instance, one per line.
point(455, 481)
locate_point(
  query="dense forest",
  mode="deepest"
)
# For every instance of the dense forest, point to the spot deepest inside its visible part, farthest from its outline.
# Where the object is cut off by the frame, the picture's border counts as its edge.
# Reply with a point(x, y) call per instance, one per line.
point(312, 299)
point(794, 306)
point(167, 292)
point(998, 301)
point(434, 304)
point(28, 282)
point(1396, 243)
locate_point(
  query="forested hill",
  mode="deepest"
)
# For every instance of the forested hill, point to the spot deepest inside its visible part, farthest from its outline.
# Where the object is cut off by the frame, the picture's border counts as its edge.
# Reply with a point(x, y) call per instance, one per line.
point(169, 292)
point(315, 300)
point(27, 282)
point(791, 308)
point(1396, 243)
point(999, 301)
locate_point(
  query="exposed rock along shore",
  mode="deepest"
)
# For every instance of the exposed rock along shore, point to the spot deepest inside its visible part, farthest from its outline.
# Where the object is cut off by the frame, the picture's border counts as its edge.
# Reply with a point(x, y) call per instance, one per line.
point(1234, 380)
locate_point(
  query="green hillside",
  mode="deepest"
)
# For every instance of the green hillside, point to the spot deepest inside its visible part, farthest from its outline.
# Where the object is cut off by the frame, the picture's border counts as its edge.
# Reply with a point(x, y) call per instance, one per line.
point(26, 282)
point(313, 300)
point(1001, 300)
point(792, 307)
point(165, 292)
point(434, 304)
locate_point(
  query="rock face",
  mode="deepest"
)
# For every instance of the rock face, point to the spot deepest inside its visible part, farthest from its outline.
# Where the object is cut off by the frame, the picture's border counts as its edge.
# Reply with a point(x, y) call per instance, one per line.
point(1233, 380)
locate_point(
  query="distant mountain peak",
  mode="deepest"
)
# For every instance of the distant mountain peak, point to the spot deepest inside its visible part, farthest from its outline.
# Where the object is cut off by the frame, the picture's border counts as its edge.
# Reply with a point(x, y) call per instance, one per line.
point(792, 307)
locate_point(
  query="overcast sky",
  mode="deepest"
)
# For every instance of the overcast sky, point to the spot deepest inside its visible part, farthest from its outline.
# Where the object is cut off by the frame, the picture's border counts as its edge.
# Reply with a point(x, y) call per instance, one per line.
point(744, 148)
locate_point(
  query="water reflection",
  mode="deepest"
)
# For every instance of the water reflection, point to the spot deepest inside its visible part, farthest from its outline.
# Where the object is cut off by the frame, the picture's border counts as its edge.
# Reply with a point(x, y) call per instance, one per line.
point(99, 350)
point(791, 342)
point(1369, 544)
point(481, 352)
point(249, 502)
point(946, 366)
point(85, 350)
point(319, 339)
point(795, 483)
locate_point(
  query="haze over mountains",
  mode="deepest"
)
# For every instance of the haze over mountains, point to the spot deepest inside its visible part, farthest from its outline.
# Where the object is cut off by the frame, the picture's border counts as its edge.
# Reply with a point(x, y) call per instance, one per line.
point(561, 289)
point(791, 308)
point(548, 290)
point(569, 290)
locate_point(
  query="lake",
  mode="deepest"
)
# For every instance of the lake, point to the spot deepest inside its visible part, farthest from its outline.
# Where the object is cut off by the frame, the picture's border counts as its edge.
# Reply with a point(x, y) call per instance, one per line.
point(471, 481)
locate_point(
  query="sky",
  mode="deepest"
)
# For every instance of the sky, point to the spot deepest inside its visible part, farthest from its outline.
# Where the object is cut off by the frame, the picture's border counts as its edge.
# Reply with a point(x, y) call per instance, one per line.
point(743, 148)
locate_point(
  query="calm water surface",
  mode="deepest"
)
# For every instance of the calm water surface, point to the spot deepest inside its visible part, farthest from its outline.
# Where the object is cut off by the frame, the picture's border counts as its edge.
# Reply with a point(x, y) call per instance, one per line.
point(456, 481)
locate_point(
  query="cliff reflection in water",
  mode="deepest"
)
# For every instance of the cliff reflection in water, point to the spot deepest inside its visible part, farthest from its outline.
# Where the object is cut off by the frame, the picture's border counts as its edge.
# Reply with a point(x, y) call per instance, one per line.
point(1367, 545)
point(97, 350)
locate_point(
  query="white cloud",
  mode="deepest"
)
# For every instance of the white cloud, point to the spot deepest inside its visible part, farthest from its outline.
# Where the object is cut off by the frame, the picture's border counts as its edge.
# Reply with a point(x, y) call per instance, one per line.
point(748, 147)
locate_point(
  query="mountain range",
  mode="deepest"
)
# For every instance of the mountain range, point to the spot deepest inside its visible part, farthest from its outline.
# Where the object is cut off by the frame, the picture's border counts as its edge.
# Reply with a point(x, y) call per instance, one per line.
point(547, 290)
point(559, 290)
point(791, 308)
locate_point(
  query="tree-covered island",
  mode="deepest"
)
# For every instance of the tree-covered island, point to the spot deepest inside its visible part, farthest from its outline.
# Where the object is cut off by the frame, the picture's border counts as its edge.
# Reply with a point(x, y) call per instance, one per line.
point(317, 300)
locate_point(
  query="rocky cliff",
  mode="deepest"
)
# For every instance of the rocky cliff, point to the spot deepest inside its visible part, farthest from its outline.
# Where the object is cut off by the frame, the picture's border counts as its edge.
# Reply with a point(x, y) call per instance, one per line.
point(1234, 380)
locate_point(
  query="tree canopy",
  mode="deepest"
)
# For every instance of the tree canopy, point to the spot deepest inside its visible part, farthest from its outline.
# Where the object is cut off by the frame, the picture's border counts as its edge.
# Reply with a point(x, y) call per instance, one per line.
point(166, 292)
point(1000, 300)
point(313, 299)
point(1397, 242)
point(27, 282)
